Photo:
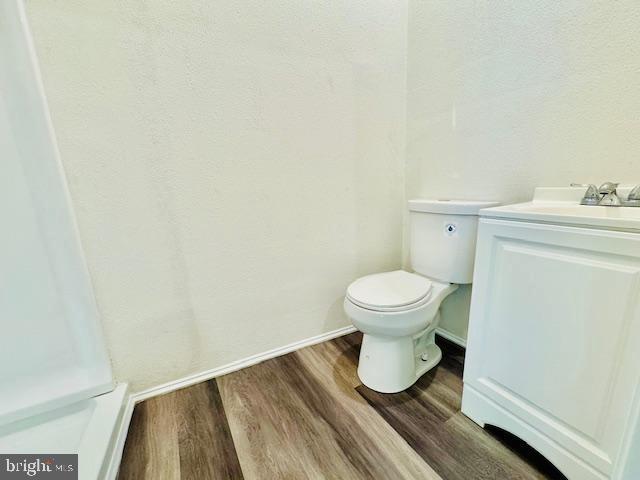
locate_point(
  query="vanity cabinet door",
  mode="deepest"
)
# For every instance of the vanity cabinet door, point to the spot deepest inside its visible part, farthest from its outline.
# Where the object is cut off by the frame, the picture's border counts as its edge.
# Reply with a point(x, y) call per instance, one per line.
point(554, 339)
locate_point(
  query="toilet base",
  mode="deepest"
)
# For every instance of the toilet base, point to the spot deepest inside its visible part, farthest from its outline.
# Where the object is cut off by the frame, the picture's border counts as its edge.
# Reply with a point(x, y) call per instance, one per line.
point(393, 364)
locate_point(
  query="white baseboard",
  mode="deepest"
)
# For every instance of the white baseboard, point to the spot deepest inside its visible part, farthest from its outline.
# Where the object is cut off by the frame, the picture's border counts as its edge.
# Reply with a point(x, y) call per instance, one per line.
point(237, 365)
point(451, 337)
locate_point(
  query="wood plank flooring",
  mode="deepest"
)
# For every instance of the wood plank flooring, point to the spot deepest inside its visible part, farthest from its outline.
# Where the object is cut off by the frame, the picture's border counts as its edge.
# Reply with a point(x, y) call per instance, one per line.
point(183, 434)
point(306, 415)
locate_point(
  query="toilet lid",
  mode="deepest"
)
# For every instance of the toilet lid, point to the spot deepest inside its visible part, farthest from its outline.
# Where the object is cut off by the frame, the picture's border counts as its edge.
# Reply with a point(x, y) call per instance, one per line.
point(389, 289)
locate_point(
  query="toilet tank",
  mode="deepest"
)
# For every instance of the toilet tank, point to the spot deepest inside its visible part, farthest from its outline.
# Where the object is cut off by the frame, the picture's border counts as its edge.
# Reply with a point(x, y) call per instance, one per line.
point(443, 238)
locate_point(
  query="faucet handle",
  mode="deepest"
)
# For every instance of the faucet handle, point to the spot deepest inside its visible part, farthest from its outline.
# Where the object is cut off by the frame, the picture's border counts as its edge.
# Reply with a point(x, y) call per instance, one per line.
point(591, 196)
point(608, 187)
point(633, 199)
point(634, 194)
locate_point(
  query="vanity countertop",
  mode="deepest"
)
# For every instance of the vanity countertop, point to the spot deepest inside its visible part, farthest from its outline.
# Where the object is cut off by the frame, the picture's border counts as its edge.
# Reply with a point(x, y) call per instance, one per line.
point(561, 205)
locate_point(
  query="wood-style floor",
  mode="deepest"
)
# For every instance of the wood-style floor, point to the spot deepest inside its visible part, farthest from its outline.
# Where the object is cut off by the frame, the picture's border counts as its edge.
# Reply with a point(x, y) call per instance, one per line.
point(305, 415)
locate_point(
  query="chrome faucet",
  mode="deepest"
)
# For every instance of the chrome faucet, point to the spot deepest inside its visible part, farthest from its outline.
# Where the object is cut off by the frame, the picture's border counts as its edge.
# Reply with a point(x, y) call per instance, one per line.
point(591, 196)
point(606, 195)
point(609, 193)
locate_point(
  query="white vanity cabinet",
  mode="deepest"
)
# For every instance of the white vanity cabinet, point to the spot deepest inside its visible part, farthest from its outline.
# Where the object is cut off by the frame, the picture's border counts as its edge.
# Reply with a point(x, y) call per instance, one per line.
point(553, 351)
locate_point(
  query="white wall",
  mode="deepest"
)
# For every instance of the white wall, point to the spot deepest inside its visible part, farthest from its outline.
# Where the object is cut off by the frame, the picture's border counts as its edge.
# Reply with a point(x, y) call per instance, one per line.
point(232, 224)
point(504, 96)
point(233, 166)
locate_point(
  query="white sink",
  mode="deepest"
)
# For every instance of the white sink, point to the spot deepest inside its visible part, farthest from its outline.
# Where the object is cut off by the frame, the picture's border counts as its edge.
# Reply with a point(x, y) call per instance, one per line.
point(562, 206)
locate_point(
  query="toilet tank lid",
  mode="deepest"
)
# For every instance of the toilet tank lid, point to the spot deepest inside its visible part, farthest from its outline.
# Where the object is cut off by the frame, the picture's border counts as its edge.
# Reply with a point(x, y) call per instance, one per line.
point(450, 207)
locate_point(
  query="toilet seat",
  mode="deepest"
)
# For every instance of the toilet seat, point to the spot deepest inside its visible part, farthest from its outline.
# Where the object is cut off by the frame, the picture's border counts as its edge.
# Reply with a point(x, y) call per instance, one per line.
point(390, 291)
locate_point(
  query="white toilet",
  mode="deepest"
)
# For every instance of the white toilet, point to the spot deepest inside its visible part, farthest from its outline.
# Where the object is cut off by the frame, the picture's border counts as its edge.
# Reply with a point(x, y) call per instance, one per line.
point(398, 311)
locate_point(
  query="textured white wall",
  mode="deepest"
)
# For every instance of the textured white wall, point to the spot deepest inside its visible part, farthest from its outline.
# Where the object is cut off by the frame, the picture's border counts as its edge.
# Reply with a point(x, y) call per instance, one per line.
point(233, 166)
point(504, 96)
point(232, 224)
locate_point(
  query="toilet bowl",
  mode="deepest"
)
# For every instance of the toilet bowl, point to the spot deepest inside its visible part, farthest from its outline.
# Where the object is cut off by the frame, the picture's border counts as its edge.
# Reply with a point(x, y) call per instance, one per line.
point(398, 312)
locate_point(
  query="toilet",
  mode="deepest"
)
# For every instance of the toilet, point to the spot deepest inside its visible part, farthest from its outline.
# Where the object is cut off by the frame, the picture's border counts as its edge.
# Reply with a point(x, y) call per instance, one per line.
point(398, 311)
